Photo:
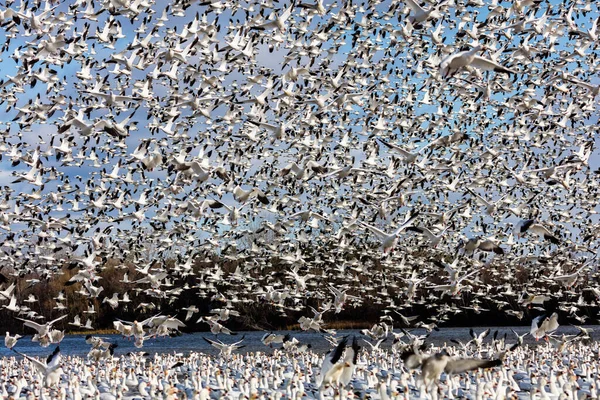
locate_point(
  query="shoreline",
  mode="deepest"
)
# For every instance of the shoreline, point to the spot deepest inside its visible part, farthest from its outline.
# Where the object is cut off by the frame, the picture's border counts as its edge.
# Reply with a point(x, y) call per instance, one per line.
point(342, 325)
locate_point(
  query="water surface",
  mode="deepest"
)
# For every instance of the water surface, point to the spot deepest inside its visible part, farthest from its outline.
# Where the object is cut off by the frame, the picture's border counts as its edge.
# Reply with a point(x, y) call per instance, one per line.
point(76, 345)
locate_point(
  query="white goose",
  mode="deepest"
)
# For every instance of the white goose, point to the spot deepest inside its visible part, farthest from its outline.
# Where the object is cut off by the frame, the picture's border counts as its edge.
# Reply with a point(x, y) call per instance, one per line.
point(469, 58)
point(42, 329)
point(50, 368)
point(389, 241)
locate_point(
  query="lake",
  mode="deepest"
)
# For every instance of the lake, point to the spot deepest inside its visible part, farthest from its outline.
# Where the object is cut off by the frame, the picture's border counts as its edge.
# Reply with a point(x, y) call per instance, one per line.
point(76, 345)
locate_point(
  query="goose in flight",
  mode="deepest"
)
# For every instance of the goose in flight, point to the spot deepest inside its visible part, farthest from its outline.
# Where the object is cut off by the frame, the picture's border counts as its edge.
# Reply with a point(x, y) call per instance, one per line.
point(50, 368)
point(389, 241)
point(469, 58)
point(340, 298)
point(331, 368)
point(279, 22)
point(241, 195)
point(490, 207)
point(125, 330)
point(42, 329)
point(225, 350)
point(568, 280)
point(7, 293)
point(97, 342)
point(434, 240)
point(478, 339)
point(215, 326)
point(433, 366)
point(377, 344)
point(519, 338)
point(526, 299)
point(531, 225)
point(270, 338)
point(547, 326)
point(303, 172)
point(11, 341)
point(455, 285)
point(478, 243)
point(419, 14)
point(101, 353)
point(408, 157)
point(307, 215)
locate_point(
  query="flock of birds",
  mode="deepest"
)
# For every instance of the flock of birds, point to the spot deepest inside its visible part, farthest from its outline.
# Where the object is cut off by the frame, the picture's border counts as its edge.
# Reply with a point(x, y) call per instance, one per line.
point(308, 157)
point(501, 368)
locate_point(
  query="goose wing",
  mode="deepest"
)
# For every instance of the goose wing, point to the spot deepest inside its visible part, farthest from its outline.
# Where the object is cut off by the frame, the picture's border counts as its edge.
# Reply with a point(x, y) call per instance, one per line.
point(57, 319)
point(423, 231)
point(338, 351)
point(31, 324)
point(489, 65)
point(53, 360)
point(411, 359)
point(403, 152)
point(213, 343)
point(381, 234)
point(456, 366)
point(411, 217)
point(38, 364)
point(415, 7)
point(484, 334)
point(488, 245)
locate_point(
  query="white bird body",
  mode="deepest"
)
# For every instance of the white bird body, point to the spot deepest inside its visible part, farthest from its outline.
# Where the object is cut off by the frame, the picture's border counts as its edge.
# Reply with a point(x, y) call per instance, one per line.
point(547, 326)
point(50, 368)
point(389, 241)
point(454, 62)
point(11, 341)
point(42, 329)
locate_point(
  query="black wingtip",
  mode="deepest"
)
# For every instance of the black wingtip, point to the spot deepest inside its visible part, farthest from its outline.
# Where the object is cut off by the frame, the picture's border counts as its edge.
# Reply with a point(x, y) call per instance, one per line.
point(339, 350)
point(552, 239)
point(493, 363)
point(406, 354)
point(504, 70)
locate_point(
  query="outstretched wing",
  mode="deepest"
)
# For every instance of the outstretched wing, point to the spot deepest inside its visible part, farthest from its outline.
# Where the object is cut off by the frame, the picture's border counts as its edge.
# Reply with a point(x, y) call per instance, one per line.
point(58, 319)
point(467, 364)
point(381, 234)
point(38, 364)
point(417, 9)
point(213, 343)
point(411, 359)
point(487, 64)
point(339, 350)
point(53, 359)
point(409, 219)
point(31, 324)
